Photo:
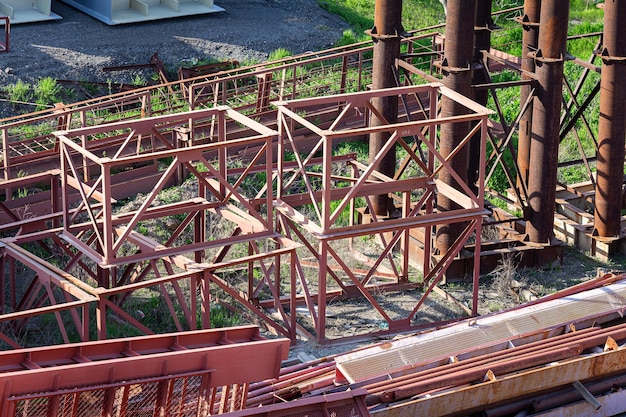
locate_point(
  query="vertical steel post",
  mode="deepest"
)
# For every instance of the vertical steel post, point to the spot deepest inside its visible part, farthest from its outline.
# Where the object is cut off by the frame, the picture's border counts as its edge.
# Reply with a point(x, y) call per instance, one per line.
point(456, 67)
point(530, 38)
point(482, 42)
point(612, 124)
point(386, 35)
point(546, 120)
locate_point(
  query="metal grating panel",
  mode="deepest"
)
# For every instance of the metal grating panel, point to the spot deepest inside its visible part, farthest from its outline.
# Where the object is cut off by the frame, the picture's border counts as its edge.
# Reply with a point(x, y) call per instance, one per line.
point(384, 358)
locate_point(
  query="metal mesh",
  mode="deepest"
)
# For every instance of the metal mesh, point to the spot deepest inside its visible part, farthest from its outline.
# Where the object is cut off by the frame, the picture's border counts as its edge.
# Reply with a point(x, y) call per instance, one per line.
point(89, 403)
point(183, 401)
point(177, 397)
point(142, 399)
point(34, 407)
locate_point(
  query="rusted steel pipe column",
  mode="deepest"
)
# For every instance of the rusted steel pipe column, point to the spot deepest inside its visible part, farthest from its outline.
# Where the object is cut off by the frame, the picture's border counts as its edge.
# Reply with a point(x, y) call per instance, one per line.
point(530, 37)
point(456, 67)
point(546, 114)
point(482, 42)
point(386, 35)
point(612, 125)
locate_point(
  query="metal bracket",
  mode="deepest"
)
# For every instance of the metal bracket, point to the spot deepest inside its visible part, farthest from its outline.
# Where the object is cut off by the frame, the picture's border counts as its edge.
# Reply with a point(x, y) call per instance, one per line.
point(540, 59)
point(445, 68)
point(607, 58)
point(373, 32)
point(526, 23)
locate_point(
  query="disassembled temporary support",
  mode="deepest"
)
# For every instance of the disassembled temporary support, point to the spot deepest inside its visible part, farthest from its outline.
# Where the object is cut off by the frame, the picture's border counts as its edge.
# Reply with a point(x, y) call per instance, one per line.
point(203, 372)
point(120, 255)
point(115, 12)
point(315, 213)
point(25, 11)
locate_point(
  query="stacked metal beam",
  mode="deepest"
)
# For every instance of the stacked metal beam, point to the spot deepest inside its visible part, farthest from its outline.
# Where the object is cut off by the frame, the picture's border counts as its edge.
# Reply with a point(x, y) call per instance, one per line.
point(562, 354)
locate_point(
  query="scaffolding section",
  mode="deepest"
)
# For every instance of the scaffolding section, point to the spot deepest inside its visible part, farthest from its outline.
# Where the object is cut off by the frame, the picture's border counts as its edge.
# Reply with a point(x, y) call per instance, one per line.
point(170, 248)
point(330, 211)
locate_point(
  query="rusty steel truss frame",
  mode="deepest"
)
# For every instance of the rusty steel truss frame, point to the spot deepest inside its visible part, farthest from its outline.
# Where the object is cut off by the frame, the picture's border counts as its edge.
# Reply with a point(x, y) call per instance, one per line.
point(103, 257)
point(314, 215)
point(40, 153)
point(107, 256)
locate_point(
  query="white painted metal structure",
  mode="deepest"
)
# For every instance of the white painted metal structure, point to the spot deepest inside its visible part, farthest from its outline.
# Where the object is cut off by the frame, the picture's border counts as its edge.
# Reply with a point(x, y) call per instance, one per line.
point(23, 11)
point(116, 12)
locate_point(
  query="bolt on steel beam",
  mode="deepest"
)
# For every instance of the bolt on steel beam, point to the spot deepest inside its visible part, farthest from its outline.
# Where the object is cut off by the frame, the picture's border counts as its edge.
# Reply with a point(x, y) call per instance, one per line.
point(456, 67)
point(530, 37)
point(612, 123)
point(386, 35)
point(549, 60)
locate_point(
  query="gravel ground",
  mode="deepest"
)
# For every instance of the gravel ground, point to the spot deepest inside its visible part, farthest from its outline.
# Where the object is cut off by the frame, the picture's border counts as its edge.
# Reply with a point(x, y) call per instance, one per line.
point(78, 46)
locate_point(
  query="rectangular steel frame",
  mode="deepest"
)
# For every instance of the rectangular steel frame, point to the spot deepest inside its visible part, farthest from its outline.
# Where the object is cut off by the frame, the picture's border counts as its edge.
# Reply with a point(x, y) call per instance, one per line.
point(414, 195)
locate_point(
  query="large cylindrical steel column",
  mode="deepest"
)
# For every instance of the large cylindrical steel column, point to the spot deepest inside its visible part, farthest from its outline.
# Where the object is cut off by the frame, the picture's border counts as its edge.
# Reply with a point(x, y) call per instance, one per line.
point(612, 124)
point(386, 35)
point(530, 38)
point(456, 67)
point(544, 142)
point(482, 42)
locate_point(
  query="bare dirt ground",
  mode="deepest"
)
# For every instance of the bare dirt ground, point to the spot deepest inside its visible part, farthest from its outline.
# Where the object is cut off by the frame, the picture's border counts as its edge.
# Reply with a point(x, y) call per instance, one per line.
point(78, 46)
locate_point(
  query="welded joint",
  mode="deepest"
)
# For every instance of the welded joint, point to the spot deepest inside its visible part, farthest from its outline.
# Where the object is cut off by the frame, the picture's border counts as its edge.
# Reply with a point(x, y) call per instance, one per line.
point(540, 59)
point(526, 23)
point(399, 33)
point(607, 58)
point(490, 376)
point(610, 345)
point(489, 27)
point(446, 69)
point(587, 395)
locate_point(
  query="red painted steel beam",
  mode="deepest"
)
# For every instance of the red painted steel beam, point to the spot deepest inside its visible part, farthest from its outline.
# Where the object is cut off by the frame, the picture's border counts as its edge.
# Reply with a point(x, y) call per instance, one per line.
point(233, 363)
point(76, 353)
point(530, 37)
point(340, 404)
point(549, 60)
point(612, 123)
point(456, 67)
point(386, 35)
